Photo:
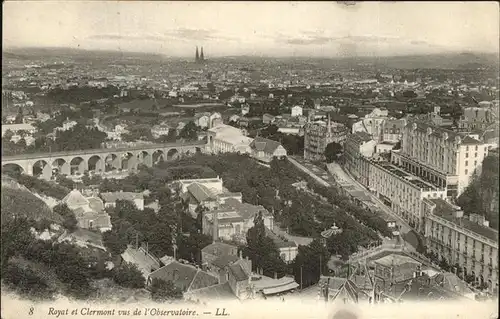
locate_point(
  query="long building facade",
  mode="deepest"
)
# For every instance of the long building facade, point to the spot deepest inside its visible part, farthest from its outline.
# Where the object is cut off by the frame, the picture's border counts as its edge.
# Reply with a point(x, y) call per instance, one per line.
point(464, 241)
point(432, 163)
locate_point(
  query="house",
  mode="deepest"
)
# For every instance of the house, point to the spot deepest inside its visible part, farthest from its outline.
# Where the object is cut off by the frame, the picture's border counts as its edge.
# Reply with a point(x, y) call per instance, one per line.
point(89, 212)
point(233, 219)
point(268, 118)
point(136, 198)
point(67, 125)
point(141, 258)
point(287, 249)
point(296, 111)
point(234, 118)
point(216, 250)
point(159, 130)
point(214, 119)
point(183, 276)
point(238, 274)
point(199, 195)
point(15, 128)
point(202, 119)
point(265, 150)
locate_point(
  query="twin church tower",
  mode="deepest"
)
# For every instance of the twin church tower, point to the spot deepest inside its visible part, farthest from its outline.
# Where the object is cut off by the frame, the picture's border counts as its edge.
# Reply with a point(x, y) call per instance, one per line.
point(199, 58)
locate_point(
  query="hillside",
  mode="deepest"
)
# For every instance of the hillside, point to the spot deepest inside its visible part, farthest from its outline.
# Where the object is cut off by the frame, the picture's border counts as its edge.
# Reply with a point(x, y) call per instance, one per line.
point(18, 200)
point(482, 194)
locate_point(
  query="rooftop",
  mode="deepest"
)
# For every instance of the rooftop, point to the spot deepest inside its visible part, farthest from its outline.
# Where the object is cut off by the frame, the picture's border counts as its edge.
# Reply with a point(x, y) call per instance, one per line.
point(247, 211)
point(184, 276)
point(395, 260)
point(220, 291)
point(220, 249)
point(265, 145)
point(113, 197)
point(445, 210)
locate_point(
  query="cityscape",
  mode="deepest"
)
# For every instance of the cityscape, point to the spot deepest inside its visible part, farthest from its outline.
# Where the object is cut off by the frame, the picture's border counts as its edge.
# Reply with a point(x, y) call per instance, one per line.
point(197, 176)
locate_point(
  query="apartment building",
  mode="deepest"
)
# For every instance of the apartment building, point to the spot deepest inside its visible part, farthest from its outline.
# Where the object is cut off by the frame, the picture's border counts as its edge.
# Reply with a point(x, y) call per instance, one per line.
point(317, 135)
point(357, 148)
point(402, 191)
point(466, 241)
point(444, 158)
point(477, 118)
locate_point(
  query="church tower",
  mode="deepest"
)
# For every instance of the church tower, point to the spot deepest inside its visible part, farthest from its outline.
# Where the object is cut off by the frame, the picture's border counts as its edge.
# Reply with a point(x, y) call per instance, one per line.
point(202, 57)
point(197, 57)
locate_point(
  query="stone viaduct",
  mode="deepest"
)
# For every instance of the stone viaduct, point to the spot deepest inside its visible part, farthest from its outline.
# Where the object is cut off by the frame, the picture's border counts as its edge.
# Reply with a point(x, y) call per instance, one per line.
point(99, 160)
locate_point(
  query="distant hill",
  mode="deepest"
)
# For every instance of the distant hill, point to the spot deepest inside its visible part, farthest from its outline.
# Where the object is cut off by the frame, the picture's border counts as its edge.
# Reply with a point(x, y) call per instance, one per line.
point(30, 53)
point(16, 200)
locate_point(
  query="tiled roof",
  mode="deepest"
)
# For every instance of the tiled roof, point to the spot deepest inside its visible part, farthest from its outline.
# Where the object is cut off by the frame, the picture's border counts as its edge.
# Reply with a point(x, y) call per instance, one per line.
point(265, 145)
point(203, 279)
point(224, 260)
point(200, 192)
point(145, 262)
point(470, 141)
point(221, 291)
point(75, 199)
point(183, 276)
point(220, 249)
point(246, 210)
point(96, 204)
point(363, 136)
point(113, 197)
point(238, 272)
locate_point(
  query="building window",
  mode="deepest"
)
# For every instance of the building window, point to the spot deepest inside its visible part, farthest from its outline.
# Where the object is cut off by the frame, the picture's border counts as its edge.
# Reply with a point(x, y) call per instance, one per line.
point(466, 171)
point(466, 155)
point(467, 148)
point(475, 154)
point(475, 163)
point(466, 163)
point(476, 147)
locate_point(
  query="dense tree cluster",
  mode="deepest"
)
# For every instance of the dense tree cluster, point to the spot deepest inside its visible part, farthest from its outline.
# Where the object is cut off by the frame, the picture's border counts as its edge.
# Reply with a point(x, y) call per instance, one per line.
point(310, 263)
point(129, 276)
point(75, 95)
point(69, 219)
point(333, 151)
point(262, 250)
point(481, 195)
point(41, 186)
point(65, 262)
point(293, 144)
point(162, 291)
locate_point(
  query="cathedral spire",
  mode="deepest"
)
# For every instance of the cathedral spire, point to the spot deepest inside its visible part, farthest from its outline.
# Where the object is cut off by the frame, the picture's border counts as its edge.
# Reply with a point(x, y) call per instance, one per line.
point(197, 58)
point(202, 57)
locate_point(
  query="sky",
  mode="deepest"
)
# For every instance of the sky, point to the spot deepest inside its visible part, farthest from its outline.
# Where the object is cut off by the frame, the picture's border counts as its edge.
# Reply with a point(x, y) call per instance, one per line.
point(327, 29)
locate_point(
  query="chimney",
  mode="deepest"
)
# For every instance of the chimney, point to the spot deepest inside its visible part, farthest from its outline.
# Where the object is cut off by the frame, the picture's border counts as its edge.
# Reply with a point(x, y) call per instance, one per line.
point(241, 255)
point(215, 230)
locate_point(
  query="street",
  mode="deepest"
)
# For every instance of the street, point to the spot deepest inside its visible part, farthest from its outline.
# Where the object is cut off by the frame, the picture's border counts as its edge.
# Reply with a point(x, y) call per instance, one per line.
point(337, 173)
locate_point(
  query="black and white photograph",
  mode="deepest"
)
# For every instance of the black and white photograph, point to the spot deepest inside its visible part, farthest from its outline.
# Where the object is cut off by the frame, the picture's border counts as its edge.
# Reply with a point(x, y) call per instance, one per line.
point(247, 159)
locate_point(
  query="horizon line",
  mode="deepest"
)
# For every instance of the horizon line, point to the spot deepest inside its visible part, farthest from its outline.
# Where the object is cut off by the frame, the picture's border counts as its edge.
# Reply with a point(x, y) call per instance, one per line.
point(444, 52)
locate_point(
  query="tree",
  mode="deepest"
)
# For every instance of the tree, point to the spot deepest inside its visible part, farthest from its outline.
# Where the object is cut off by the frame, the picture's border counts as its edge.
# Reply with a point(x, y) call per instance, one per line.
point(129, 276)
point(262, 250)
point(7, 135)
point(333, 151)
point(114, 242)
point(162, 290)
point(26, 281)
point(310, 263)
point(189, 132)
point(70, 222)
point(409, 94)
